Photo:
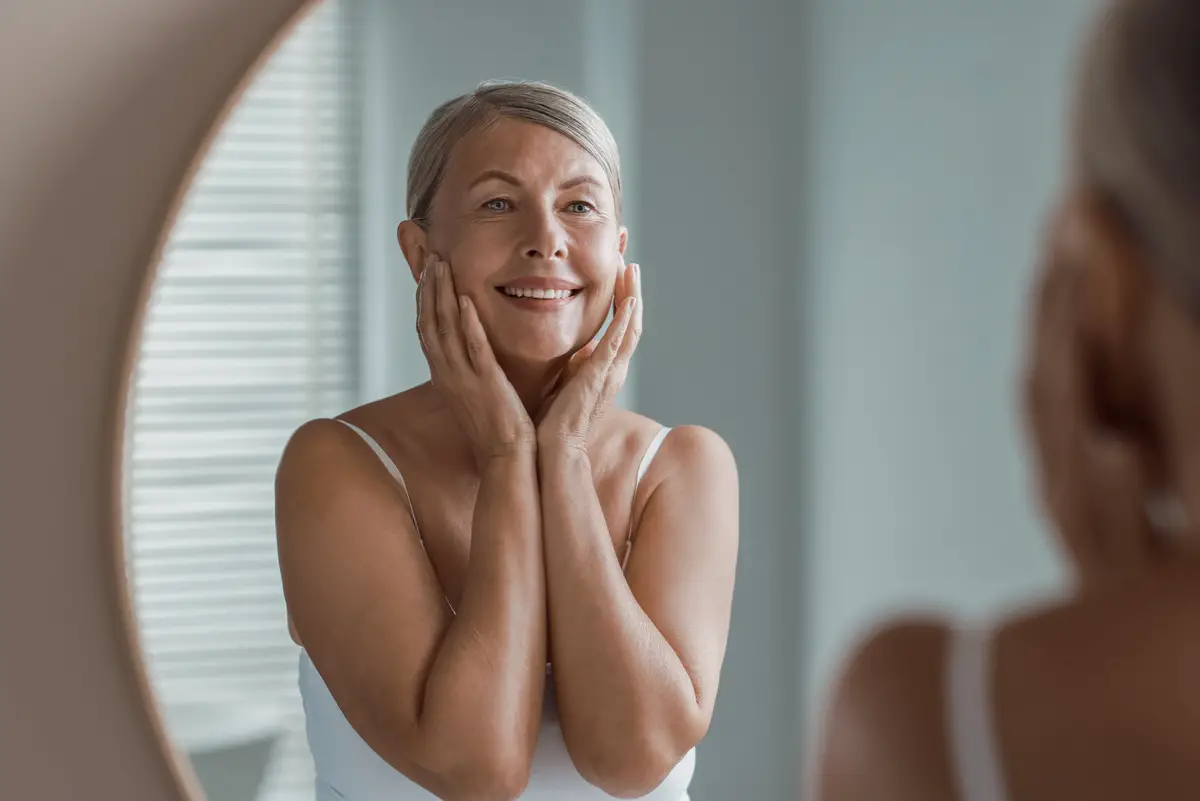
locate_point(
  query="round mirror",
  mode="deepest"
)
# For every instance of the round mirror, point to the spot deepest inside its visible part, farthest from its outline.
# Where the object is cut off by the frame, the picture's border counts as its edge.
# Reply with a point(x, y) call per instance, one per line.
point(251, 330)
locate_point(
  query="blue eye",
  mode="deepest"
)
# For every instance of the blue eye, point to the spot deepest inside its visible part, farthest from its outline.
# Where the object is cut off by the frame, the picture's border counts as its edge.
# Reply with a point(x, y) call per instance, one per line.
point(580, 207)
point(496, 204)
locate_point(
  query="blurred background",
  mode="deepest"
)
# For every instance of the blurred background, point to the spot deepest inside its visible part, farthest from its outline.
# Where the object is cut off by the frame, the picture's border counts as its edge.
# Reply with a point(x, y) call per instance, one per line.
point(836, 204)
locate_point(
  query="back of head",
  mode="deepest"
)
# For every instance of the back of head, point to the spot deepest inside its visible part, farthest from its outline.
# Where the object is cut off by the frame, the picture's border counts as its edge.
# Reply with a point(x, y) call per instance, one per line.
point(1137, 126)
point(530, 101)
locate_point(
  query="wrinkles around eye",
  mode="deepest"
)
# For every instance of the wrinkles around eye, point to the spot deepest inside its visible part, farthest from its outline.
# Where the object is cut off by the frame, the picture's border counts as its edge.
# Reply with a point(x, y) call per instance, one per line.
point(500, 205)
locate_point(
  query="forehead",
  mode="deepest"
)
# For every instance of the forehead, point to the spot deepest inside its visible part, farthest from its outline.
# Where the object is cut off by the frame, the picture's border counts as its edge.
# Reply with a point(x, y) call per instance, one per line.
point(534, 153)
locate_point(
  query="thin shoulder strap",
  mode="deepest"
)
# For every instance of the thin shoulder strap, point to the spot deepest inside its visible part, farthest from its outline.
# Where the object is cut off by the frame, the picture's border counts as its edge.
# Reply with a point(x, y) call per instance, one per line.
point(974, 753)
point(647, 458)
point(395, 473)
point(387, 463)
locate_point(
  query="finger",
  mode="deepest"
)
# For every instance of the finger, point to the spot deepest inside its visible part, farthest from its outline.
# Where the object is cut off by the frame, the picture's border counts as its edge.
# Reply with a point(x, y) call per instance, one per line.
point(619, 370)
point(619, 292)
point(1119, 490)
point(634, 334)
point(609, 348)
point(1057, 411)
point(580, 358)
point(449, 328)
point(1172, 534)
point(427, 318)
point(613, 383)
point(479, 350)
point(1053, 380)
point(594, 372)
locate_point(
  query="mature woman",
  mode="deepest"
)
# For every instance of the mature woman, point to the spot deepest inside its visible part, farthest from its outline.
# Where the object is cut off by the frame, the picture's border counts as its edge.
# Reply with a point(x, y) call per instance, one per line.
point(1097, 697)
point(503, 587)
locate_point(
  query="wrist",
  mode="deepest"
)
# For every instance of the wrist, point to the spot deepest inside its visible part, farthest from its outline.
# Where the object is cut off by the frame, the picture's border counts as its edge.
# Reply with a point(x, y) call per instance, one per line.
point(522, 452)
point(560, 452)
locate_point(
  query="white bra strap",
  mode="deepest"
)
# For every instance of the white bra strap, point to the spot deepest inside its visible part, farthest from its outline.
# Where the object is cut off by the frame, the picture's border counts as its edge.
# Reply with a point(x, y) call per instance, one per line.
point(395, 473)
point(389, 464)
point(647, 458)
point(974, 755)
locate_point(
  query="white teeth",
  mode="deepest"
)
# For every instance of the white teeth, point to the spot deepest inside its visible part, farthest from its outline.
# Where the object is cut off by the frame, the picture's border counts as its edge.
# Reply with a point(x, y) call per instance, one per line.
point(540, 294)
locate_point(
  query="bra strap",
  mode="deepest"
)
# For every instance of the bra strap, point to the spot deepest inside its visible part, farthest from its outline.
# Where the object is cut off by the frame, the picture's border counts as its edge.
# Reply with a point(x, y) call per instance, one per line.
point(647, 458)
point(974, 752)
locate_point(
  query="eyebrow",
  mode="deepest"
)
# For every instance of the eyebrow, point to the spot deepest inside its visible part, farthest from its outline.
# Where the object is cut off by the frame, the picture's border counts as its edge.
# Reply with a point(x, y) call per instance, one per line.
point(509, 178)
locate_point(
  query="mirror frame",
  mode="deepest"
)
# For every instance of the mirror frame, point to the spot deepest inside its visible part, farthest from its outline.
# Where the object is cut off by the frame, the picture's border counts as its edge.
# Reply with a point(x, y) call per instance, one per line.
point(114, 107)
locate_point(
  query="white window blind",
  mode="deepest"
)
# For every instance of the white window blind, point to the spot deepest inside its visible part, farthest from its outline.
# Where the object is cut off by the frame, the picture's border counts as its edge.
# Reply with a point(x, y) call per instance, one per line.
point(252, 329)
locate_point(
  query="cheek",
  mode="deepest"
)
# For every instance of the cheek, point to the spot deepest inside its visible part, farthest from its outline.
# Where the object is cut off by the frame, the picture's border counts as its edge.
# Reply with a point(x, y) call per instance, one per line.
point(474, 256)
point(597, 257)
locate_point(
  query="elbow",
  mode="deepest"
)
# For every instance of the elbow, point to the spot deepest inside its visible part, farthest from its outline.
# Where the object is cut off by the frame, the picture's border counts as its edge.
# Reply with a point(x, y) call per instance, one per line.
point(634, 765)
point(499, 773)
point(498, 781)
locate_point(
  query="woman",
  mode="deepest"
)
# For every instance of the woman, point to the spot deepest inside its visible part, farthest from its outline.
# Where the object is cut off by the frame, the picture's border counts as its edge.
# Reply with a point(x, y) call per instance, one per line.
point(1097, 697)
point(503, 587)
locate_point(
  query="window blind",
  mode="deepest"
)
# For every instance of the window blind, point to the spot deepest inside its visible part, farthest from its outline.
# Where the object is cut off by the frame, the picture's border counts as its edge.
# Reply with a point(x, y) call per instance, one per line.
point(252, 329)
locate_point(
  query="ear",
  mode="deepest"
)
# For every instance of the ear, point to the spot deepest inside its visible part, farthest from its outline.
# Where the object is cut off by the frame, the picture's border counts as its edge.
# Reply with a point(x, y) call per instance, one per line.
point(414, 244)
point(623, 240)
point(1116, 283)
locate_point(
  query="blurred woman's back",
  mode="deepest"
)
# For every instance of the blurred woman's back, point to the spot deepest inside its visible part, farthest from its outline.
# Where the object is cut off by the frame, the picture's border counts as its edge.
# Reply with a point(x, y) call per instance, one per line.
point(1097, 697)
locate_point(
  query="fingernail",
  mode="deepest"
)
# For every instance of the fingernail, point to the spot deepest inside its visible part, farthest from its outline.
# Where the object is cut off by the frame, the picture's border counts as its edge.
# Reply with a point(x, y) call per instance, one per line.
point(462, 302)
point(441, 269)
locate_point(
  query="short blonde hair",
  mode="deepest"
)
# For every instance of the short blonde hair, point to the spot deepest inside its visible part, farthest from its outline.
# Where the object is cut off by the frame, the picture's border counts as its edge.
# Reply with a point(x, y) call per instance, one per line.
point(531, 101)
point(1137, 125)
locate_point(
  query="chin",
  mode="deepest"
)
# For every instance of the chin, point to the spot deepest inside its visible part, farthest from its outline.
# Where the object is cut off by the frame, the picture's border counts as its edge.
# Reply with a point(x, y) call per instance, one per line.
point(539, 354)
point(535, 349)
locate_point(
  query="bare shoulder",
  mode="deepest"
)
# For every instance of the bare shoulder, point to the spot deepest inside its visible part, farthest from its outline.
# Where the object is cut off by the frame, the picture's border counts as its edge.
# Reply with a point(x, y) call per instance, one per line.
point(697, 447)
point(693, 468)
point(689, 451)
point(1100, 696)
point(317, 448)
point(882, 736)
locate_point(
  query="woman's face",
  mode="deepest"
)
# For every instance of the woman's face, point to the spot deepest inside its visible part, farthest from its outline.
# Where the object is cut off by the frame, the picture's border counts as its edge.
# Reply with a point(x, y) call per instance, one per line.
point(527, 222)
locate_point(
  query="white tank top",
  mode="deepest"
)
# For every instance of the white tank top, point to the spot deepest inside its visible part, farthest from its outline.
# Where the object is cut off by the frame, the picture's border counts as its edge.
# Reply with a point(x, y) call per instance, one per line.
point(347, 769)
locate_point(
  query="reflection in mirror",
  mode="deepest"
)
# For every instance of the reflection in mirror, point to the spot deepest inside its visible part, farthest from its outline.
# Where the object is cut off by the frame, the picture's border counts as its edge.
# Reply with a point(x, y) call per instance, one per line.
point(284, 297)
point(252, 328)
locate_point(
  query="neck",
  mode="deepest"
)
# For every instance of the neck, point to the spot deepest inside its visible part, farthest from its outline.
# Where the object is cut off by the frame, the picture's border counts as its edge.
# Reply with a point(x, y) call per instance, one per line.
point(533, 381)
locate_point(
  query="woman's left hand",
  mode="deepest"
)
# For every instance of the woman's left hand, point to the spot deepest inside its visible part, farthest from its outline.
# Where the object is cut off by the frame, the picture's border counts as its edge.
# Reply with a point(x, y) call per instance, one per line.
point(596, 373)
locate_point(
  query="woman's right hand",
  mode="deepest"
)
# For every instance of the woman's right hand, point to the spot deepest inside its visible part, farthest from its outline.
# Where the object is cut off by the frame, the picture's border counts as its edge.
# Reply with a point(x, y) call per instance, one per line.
point(464, 369)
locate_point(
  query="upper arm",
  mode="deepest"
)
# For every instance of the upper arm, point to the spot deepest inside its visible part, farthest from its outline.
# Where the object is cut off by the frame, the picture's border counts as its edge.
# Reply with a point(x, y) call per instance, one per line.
point(681, 570)
point(883, 736)
point(360, 592)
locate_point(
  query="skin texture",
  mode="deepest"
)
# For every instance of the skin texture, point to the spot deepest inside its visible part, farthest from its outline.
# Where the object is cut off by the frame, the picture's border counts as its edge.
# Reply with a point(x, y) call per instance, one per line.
point(1094, 696)
point(522, 482)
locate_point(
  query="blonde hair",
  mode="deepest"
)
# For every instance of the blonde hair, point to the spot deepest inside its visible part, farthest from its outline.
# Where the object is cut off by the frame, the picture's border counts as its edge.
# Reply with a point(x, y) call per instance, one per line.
point(531, 101)
point(1137, 125)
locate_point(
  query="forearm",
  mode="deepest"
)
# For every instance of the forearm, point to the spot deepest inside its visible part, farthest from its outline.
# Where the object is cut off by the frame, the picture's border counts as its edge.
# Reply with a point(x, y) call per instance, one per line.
point(628, 706)
point(483, 695)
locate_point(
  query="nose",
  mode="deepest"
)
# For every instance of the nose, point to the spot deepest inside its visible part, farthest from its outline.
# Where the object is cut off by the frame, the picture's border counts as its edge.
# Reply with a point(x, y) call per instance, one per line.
point(545, 237)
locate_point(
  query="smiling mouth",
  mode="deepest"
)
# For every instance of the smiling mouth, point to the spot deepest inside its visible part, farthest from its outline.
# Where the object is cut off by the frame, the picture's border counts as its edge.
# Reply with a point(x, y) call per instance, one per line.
point(538, 294)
